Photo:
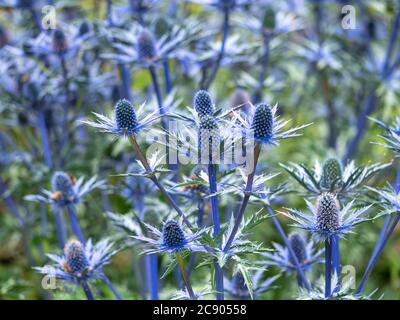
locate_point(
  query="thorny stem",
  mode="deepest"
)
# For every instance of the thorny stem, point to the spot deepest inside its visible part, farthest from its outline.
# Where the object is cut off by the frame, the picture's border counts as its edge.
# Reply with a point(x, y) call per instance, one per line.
point(86, 289)
point(249, 186)
point(185, 277)
point(60, 229)
point(75, 224)
point(141, 157)
point(157, 91)
point(152, 275)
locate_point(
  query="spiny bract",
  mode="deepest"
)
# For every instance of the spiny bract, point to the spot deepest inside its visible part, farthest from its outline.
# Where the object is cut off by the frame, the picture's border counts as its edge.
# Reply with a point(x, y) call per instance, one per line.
point(125, 116)
point(331, 173)
point(327, 212)
point(75, 256)
point(263, 122)
point(146, 46)
point(203, 103)
point(298, 245)
point(173, 235)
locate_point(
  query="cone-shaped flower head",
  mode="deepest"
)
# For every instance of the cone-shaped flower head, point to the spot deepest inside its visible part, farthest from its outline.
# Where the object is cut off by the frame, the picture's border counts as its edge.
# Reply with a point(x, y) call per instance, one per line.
point(209, 138)
point(146, 45)
point(327, 212)
point(84, 28)
point(263, 122)
point(331, 173)
point(203, 103)
point(125, 116)
point(76, 261)
point(59, 41)
point(63, 184)
point(173, 235)
point(299, 247)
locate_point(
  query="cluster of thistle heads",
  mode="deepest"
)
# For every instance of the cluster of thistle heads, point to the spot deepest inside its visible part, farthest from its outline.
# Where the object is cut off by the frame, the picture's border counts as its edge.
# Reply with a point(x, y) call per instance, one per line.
point(142, 64)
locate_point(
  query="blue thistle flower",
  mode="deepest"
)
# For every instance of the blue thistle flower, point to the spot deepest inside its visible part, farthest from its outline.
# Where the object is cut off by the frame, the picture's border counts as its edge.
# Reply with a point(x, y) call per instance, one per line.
point(173, 235)
point(327, 212)
point(76, 261)
point(59, 42)
point(299, 247)
point(146, 46)
point(327, 219)
point(125, 116)
point(125, 121)
point(171, 239)
point(63, 186)
point(203, 103)
point(331, 173)
point(84, 28)
point(263, 122)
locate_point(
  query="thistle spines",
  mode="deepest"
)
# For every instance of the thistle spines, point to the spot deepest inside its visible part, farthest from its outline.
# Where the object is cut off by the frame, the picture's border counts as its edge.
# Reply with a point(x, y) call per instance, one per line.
point(125, 116)
point(173, 235)
point(61, 182)
point(146, 45)
point(76, 261)
point(299, 247)
point(331, 173)
point(327, 212)
point(263, 122)
point(203, 103)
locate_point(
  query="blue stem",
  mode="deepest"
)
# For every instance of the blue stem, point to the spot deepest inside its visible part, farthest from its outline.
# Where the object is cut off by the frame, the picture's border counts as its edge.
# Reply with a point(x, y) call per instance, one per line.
point(328, 267)
point(225, 30)
point(336, 260)
point(157, 91)
point(9, 202)
point(167, 77)
point(152, 275)
point(45, 139)
point(126, 82)
point(60, 229)
point(111, 287)
point(219, 276)
point(86, 289)
point(75, 224)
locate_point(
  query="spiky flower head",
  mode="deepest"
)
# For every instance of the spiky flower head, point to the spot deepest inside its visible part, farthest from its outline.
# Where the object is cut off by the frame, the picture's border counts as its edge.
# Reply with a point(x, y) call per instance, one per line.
point(59, 41)
point(327, 212)
point(331, 173)
point(76, 261)
point(173, 236)
point(209, 138)
point(203, 103)
point(125, 116)
point(263, 122)
point(62, 183)
point(84, 28)
point(146, 45)
point(299, 247)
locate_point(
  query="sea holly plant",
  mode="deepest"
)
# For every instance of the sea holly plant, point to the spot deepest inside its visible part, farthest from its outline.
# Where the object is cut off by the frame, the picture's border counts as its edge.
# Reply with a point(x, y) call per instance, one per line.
point(80, 264)
point(332, 176)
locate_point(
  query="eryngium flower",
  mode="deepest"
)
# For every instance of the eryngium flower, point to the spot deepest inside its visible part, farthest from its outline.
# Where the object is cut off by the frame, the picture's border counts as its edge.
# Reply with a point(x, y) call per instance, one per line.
point(173, 235)
point(299, 247)
point(80, 263)
point(209, 140)
point(63, 187)
point(331, 173)
point(203, 103)
point(327, 212)
point(171, 239)
point(125, 116)
point(326, 218)
point(125, 121)
point(59, 41)
point(84, 28)
point(76, 261)
point(146, 46)
point(305, 251)
point(263, 122)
